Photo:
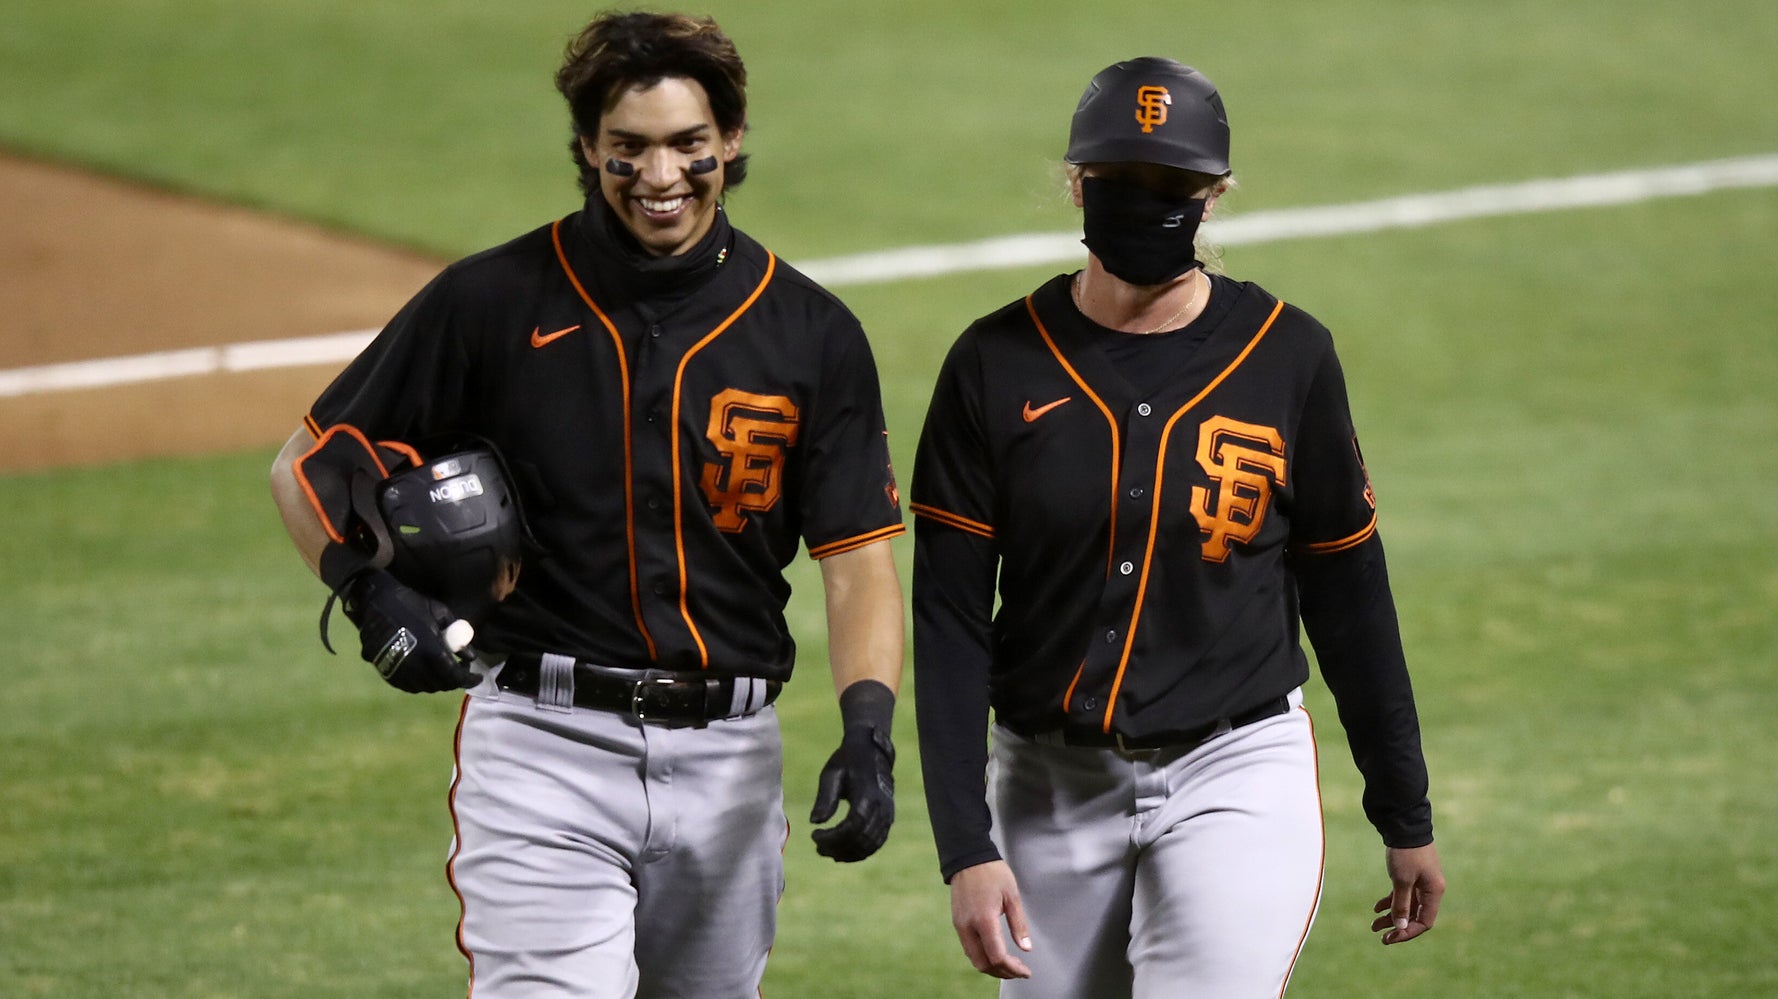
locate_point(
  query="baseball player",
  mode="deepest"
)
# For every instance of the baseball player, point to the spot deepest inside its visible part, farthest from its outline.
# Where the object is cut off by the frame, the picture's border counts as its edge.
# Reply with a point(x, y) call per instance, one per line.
point(1158, 467)
point(679, 409)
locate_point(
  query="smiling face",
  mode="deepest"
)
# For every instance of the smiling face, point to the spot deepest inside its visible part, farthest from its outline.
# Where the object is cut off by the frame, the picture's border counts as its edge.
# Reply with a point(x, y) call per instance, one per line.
point(665, 134)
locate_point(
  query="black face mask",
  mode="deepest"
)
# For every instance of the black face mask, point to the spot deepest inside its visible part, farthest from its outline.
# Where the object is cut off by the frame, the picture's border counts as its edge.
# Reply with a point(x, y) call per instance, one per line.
point(1139, 235)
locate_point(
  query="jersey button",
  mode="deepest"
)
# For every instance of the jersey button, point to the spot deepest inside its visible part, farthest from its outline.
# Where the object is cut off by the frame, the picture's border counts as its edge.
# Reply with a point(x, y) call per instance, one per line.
point(1127, 568)
point(655, 331)
point(1136, 493)
point(654, 502)
point(1111, 636)
point(1144, 409)
point(1090, 704)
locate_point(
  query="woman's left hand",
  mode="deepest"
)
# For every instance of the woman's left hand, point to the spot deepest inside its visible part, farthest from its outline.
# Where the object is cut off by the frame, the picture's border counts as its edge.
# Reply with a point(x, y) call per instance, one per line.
point(1412, 907)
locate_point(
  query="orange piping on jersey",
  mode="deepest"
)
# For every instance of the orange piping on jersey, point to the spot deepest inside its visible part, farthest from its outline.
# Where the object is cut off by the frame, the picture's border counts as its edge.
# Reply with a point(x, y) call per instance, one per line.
point(457, 840)
point(302, 478)
point(311, 426)
point(1154, 519)
point(1110, 421)
point(1068, 695)
point(1321, 868)
point(844, 545)
point(950, 519)
point(1350, 541)
point(678, 487)
point(623, 373)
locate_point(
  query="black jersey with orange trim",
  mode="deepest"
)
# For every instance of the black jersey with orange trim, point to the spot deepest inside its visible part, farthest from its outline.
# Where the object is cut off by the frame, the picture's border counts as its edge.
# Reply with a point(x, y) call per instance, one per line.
point(1141, 544)
point(673, 443)
point(1142, 538)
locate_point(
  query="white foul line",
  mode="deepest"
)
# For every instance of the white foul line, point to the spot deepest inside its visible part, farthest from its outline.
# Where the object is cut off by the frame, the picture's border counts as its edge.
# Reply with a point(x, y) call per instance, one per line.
point(1405, 212)
point(1000, 253)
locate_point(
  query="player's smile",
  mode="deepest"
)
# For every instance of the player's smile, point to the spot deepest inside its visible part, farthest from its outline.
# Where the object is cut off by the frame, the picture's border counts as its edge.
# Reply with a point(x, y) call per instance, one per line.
point(661, 158)
point(663, 210)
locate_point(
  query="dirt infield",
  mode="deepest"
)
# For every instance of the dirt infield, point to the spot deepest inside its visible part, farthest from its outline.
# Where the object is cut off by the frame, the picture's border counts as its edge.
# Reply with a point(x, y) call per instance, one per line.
point(91, 267)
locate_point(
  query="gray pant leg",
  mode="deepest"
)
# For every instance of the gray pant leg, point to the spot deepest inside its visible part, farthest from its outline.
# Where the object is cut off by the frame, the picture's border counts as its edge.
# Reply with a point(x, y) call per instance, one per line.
point(604, 859)
point(1230, 871)
point(709, 885)
point(550, 817)
point(1062, 822)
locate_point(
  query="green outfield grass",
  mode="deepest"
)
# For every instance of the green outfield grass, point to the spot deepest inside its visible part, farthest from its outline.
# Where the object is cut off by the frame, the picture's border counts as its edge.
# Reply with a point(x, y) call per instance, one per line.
point(1569, 419)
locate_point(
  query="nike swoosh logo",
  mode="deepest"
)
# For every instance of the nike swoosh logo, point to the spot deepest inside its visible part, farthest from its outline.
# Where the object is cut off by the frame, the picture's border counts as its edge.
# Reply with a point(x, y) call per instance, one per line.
point(539, 338)
point(1031, 415)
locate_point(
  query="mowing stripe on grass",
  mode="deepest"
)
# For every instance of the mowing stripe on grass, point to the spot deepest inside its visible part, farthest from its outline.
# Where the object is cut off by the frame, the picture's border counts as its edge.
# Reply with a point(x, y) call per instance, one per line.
point(1408, 211)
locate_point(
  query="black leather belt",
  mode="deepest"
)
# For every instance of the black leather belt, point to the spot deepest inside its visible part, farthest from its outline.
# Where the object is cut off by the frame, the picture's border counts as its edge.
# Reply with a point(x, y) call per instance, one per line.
point(662, 695)
point(1096, 739)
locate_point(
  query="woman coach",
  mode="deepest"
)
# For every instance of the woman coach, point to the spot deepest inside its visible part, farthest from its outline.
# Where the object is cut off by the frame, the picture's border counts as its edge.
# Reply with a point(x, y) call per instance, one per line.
point(1155, 470)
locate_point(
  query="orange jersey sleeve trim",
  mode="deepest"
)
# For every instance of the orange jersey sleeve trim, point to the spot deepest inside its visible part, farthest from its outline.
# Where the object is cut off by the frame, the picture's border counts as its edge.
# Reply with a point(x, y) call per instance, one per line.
point(1350, 541)
point(302, 477)
point(854, 543)
point(623, 373)
point(950, 519)
point(1154, 520)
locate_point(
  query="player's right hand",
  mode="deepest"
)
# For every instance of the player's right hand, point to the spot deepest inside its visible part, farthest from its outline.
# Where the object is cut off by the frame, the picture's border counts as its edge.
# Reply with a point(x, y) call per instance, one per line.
point(400, 634)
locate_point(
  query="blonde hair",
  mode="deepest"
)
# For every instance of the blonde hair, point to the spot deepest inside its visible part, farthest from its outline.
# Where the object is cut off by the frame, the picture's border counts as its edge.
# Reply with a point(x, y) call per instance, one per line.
point(1208, 252)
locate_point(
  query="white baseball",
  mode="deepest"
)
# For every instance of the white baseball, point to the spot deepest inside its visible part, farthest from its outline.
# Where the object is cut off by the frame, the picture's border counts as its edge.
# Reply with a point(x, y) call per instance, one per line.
point(457, 634)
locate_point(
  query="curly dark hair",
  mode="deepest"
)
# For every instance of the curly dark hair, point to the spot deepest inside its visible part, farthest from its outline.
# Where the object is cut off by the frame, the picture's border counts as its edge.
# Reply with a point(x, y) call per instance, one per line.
point(621, 50)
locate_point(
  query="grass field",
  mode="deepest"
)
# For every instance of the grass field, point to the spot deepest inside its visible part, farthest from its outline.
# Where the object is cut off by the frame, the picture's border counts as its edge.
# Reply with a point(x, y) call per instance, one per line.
point(1569, 417)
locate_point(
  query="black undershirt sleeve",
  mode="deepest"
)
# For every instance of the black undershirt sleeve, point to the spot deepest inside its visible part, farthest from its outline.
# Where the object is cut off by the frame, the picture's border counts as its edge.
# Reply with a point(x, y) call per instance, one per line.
point(1349, 615)
point(953, 596)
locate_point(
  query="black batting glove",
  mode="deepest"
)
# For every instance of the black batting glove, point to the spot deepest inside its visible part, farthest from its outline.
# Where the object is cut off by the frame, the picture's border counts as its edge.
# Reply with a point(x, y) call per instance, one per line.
point(860, 771)
point(400, 634)
point(399, 630)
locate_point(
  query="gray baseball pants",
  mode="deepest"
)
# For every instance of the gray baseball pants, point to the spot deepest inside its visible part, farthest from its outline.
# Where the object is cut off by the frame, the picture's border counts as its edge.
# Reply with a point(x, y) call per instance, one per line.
point(1164, 873)
point(601, 857)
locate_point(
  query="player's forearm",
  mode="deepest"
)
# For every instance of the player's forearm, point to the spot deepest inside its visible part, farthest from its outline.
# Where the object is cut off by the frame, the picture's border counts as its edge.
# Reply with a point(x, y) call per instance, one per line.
point(953, 611)
point(865, 623)
point(953, 763)
point(1349, 615)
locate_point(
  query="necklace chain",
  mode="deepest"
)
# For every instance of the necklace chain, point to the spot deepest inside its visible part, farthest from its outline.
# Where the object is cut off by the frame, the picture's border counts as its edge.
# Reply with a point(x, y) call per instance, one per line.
point(1074, 287)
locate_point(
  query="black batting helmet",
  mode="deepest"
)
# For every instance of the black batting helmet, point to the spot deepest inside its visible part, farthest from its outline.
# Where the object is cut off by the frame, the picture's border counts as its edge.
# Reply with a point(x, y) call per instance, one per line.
point(1151, 110)
point(455, 527)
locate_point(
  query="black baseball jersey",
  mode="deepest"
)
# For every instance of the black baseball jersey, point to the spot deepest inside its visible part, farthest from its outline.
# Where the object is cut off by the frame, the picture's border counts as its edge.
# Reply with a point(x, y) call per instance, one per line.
point(676, 426)
point(1143, 514)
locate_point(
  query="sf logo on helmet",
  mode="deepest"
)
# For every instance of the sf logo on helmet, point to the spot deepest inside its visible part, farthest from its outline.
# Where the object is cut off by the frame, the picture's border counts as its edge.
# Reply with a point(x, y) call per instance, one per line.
point(1151, 106)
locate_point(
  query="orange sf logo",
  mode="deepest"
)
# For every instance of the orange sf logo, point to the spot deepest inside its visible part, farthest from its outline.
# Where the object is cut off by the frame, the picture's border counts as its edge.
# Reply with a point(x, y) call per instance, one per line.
point(750, 432)
point(1151, 106)
point(1244, 461)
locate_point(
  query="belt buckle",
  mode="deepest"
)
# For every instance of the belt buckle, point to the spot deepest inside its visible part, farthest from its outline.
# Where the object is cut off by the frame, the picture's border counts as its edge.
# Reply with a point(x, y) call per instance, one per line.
point(638, 693)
